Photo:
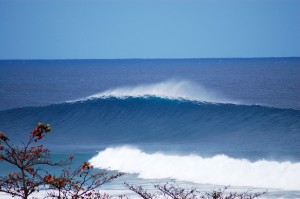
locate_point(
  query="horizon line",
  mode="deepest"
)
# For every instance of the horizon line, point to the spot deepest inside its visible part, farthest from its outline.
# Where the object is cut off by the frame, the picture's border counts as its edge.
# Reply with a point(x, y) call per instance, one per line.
point(61, 59)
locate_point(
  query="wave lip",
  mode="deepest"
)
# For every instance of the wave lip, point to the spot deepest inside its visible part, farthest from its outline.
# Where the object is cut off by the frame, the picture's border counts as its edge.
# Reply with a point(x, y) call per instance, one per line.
point(171, 89)
point(218, 170)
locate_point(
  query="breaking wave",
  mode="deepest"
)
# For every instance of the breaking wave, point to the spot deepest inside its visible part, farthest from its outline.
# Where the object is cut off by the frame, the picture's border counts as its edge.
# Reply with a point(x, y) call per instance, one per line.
point(218, 170)
point(171, 89)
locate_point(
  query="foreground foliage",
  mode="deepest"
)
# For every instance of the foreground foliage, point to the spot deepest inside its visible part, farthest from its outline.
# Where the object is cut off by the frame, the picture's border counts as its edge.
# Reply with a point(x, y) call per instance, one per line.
point(80, 183)
point(173, 191)
point(30, 161)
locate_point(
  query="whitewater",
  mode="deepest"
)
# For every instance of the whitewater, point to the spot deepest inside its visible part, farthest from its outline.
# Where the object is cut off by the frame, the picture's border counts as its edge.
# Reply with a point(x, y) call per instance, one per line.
point(217, 170)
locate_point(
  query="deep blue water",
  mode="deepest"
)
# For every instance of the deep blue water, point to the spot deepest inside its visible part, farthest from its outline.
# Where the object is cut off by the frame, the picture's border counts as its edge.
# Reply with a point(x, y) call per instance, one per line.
point(252, 132)
point(241, 108)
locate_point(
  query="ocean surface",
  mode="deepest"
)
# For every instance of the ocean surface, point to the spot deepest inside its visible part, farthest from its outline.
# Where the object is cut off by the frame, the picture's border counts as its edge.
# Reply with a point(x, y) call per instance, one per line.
point(205, 123)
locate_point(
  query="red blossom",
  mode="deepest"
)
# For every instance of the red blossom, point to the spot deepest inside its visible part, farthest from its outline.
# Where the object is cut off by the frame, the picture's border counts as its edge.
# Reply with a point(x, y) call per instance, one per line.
point(40, 130)
point(3, 137)
point(49, 178)
point(71, 157)
point(86, 165)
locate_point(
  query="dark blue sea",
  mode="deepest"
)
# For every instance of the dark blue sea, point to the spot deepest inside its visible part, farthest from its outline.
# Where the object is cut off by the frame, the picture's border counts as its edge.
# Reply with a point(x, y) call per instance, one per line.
point(205, 123)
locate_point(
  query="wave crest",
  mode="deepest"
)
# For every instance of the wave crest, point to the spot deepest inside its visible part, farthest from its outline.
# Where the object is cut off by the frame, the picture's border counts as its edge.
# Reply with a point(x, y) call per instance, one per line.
point(218, 170)
point(171, 89)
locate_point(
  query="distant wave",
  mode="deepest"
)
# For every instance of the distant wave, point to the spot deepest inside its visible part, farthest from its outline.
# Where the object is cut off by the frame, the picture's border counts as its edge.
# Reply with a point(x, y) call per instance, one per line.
point(218, 170)
point(171, 89)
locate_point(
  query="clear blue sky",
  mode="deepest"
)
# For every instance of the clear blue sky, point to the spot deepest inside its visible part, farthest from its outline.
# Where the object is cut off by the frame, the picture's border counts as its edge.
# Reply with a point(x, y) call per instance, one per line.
point(84, 29)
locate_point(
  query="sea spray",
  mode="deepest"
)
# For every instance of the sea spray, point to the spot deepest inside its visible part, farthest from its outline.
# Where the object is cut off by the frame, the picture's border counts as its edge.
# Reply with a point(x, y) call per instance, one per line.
point(172, 89)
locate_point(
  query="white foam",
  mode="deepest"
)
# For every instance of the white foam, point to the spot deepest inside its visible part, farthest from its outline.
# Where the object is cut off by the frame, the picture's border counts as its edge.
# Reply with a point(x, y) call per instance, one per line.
point(218, 170)
point(172, 89)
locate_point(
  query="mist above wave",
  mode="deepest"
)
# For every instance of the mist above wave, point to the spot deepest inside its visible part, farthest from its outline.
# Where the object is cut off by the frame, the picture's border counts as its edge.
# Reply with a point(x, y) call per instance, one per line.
point(167, 89)
point(218, 170)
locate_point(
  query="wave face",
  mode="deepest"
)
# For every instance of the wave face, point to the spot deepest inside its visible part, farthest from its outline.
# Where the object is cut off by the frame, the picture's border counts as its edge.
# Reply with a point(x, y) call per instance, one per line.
point(252, 132)
point(218, 170)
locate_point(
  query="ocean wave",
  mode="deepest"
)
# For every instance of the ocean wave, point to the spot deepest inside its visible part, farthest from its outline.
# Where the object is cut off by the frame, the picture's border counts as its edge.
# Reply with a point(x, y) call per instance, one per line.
point(170, 89)
point(218, 170)
point(251, 132)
